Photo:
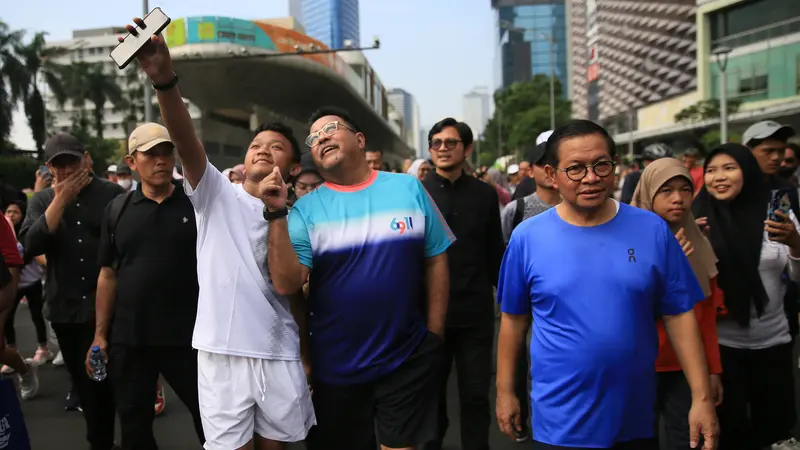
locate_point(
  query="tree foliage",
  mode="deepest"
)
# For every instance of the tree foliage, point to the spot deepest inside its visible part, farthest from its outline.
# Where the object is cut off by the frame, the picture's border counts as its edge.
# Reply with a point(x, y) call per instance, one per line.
point(101, 150)
point(705, 110)
point(522, 111)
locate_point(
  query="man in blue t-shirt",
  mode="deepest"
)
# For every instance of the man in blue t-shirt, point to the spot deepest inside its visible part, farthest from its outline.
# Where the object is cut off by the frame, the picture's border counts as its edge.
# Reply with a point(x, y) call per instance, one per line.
point(374, 245)
point(594, 275)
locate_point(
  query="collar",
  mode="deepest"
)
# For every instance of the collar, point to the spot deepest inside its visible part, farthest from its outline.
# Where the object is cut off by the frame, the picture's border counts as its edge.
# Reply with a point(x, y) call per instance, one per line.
point(138, 195)
point(433, 176)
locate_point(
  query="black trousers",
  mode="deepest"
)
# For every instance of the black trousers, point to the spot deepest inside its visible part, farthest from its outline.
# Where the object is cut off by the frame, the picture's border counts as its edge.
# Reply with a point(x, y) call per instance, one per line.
point(758, 407)
point(134, 373)
point(673, 402)
point(35, 295)
point(97, 399)
point(471, 349)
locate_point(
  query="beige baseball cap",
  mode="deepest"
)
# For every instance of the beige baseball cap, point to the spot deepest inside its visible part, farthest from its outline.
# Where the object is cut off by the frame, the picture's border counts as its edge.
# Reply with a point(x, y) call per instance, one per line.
point(146, 137)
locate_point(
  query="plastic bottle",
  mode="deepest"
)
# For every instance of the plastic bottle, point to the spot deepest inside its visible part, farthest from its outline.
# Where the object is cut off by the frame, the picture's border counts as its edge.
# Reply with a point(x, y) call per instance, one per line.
point(98, 364)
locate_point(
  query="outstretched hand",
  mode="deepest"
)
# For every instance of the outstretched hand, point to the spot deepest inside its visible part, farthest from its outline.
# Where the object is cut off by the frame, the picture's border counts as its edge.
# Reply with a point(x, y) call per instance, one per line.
point(273, 190)
point(153, 57)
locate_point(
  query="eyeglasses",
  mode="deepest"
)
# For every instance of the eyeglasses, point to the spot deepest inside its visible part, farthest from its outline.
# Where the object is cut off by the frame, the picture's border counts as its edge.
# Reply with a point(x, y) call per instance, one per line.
point(449, 144)
point(327, 130)
point(578, 172)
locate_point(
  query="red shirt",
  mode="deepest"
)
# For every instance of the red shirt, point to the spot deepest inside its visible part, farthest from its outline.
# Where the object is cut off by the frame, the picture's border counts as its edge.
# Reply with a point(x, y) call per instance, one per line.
point(698, 178)
point(8, 245)
point(706, 313)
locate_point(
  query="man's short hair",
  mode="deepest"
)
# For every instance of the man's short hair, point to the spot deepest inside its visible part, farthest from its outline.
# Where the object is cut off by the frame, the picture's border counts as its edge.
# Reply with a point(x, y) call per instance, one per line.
point(374, 150)
point(795, 148)
point(463, 130)
point(287, 132)
point(333, 111)
point(573, 129)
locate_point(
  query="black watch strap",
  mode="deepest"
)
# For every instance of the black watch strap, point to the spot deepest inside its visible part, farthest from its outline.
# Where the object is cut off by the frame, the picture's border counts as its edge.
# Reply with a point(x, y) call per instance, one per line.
point(272, 215)
point(166, 86)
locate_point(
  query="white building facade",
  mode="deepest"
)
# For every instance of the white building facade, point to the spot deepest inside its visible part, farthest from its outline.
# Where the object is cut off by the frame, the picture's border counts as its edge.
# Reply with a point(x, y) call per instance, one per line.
point(407, 108)
point(476, 112)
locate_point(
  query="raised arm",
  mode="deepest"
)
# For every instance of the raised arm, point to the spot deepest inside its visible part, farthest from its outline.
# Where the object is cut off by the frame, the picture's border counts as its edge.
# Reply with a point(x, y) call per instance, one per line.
point(155, 61)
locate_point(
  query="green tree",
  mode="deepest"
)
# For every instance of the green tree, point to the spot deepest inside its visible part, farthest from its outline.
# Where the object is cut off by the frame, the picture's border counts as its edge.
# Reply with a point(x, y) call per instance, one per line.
point(711, 139)
point(101, 150)
point(522, 111)
point(93, 84)
point(131, 103)
point(38, 60)
point(705, 110)
point(13, 78)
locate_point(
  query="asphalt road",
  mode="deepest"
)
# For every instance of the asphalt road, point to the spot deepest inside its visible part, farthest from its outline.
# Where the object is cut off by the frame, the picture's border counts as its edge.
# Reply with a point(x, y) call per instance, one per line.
point(52, 428)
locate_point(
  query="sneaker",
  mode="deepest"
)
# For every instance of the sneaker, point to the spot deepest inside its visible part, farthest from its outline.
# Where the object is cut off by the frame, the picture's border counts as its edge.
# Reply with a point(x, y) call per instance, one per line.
point(72, 402)
point(789, 444)
point(43, 355)
point(160, 400)
point(522, 436)
point(6, 370)
point(29, 383)
point(58, 360)
point(24, 301)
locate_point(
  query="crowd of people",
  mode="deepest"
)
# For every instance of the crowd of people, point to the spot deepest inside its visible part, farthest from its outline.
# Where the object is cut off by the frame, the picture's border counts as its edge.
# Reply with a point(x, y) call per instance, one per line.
point(313, 296)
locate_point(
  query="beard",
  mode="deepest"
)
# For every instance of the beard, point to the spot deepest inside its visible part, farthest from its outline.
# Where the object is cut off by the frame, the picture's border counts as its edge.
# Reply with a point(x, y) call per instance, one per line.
point(786, 172)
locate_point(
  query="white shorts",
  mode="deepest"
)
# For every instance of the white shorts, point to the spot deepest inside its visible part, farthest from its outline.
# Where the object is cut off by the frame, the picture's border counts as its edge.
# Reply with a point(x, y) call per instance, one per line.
point(240, 396)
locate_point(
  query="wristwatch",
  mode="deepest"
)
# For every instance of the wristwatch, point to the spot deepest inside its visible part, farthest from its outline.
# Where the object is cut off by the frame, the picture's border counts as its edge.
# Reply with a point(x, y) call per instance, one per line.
point(272, 215)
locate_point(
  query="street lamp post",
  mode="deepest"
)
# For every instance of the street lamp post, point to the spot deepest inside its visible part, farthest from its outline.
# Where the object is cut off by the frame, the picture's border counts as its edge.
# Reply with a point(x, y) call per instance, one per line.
point(721, 57)
point(148, 101)
point(549, 39)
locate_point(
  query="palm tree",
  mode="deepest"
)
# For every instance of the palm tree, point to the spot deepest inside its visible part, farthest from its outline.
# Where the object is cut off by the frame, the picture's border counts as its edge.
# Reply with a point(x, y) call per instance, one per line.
point(39, 62)
point(12, 77)
point(93, 84)
point(132, 101)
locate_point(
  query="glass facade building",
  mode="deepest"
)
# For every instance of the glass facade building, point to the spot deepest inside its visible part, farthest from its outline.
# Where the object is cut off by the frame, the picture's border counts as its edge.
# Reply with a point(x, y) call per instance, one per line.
point(331, 22)
point(525, 31)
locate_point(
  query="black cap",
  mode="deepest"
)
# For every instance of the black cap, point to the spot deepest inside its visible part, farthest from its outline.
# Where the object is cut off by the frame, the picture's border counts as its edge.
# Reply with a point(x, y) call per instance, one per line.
point(123, 169)
point(536, 154)
point(63, 144)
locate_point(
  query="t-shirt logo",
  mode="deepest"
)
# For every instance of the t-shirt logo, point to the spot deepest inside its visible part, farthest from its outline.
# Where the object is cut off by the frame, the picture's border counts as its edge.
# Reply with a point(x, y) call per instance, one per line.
point(402, 225)
point(631, 255)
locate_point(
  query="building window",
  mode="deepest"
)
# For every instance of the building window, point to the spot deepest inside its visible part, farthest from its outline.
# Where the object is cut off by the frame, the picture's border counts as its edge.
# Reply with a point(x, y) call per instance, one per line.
point(212, 148)
point(754, 86)
point(232, 150)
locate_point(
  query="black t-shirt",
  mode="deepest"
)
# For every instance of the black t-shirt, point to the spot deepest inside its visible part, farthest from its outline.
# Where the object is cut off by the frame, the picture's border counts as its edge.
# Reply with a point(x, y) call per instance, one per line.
point(156, 301)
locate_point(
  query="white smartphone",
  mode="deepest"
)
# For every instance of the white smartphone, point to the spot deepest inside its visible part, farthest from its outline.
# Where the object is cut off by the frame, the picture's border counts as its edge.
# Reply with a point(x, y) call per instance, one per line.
point(125, 51)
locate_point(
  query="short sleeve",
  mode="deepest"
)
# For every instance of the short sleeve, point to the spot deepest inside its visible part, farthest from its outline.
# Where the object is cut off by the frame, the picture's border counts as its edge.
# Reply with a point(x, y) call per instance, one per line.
point(211, 185)
point(438, 237)
point(507, 220)
point(8, 246)
point(680, 290)
point(513, 290)
point(298, 234)
point(106, 252)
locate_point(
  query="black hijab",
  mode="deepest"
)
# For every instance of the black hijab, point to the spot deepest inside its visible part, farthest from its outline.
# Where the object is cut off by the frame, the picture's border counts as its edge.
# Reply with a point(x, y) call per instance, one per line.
point(736, 232)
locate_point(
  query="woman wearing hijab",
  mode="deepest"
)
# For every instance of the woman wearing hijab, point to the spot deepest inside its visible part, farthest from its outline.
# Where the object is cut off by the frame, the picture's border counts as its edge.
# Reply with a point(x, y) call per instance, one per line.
point(755, 255)
point(666, 189)
point(419, 169)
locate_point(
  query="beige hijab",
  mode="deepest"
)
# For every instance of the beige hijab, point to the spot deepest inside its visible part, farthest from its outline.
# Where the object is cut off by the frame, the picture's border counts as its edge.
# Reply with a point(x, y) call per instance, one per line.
point(655, 175)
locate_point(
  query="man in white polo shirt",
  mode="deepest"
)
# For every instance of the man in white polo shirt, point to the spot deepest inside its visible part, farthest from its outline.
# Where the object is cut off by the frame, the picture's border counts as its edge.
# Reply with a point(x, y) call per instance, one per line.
point(250, 378)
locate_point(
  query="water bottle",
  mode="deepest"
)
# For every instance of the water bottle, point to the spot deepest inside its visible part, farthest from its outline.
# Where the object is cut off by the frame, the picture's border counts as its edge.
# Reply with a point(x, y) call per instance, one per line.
point(98, 364)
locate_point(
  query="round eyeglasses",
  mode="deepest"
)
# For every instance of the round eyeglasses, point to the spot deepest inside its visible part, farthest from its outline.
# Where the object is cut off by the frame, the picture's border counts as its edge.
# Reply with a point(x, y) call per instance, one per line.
point(578, 172)
point(327, 130)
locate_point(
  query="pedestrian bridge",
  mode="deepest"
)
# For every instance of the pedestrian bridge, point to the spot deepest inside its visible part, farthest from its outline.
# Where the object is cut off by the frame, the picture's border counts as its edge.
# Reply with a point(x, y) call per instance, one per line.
point(242, 72)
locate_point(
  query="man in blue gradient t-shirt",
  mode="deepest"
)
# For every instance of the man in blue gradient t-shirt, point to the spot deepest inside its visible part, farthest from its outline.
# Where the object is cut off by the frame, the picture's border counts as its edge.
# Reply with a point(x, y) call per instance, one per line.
point(374, 245)
point(594, 275)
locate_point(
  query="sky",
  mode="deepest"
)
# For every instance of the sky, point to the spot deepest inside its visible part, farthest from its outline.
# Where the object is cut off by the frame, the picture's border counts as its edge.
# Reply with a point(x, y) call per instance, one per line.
point(438, 50)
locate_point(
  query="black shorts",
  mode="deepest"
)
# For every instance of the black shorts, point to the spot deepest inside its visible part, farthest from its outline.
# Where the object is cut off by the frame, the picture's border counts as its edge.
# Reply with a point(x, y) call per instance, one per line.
point(402, 406)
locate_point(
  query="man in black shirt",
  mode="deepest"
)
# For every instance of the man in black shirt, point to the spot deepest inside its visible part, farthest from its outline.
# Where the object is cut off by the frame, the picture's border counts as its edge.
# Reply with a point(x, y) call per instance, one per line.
point(147, 289)
point(471, 208)
point(63, 223)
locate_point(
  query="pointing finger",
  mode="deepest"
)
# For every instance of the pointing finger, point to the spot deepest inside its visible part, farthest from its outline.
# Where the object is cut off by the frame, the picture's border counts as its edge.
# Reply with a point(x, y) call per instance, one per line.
point(679, 234)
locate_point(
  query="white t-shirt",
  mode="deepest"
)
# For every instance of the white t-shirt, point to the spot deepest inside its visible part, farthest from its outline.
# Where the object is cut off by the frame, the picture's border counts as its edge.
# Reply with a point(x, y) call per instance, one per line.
point(238, 313)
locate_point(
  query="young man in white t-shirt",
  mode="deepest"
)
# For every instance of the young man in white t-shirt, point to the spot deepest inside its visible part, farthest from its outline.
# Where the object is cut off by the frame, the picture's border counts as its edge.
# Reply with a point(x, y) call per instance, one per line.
point(250, 378)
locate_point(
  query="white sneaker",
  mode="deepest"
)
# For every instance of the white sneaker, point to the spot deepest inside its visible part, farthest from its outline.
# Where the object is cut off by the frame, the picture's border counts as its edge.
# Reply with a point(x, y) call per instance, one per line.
point(59, 360)
point(42, 355)
point(29, 383)
point(789, 444)
point(6, 370)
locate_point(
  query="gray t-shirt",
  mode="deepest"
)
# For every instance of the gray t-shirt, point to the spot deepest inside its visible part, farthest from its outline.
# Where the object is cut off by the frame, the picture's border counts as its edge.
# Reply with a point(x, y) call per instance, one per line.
point(533, 206)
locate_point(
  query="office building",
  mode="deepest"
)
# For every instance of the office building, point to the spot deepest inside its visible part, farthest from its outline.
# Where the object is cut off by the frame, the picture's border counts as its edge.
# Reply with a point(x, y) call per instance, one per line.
point(476, 110)
point(629, 54)
point(296, 10)
point(332, 22)
point(422, 150)
point(407, 108)
point(532, 40)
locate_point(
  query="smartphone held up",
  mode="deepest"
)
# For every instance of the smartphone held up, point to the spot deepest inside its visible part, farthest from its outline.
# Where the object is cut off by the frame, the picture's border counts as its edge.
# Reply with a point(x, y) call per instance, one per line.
point(125, 51)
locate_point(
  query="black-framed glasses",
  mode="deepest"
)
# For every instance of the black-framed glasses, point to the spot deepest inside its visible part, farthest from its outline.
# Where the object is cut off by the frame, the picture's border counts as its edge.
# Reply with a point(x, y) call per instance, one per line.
point(449, 144)
point(328, 130)
point(578, 172)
